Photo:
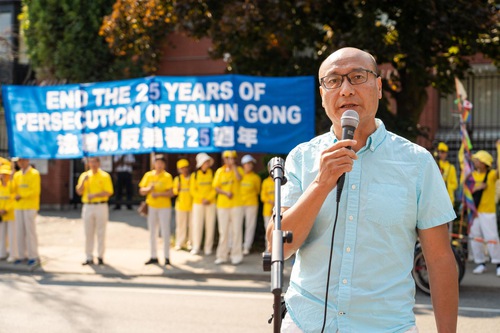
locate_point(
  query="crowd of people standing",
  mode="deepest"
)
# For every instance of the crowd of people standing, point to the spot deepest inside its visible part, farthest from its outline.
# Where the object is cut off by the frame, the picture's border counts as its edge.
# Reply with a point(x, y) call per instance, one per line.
point(202, 199)
point(483, 228)
point(206, 200)
point(227, 197)
point(19, 206)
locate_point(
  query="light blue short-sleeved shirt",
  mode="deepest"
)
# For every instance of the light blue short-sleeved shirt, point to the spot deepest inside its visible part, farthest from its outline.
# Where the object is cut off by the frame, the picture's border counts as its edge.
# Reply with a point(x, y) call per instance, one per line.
point(395, 187)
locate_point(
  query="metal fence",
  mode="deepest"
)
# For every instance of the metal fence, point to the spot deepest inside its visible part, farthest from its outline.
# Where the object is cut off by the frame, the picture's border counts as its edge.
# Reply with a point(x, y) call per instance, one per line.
point(483, 91)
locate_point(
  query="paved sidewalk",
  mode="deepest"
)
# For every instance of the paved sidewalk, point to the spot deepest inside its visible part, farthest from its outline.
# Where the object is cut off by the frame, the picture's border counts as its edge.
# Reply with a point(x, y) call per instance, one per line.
point(61, 248)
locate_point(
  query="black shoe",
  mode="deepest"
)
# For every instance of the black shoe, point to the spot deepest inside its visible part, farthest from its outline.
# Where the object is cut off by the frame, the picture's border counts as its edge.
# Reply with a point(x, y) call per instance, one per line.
point(129, 207)
point(151, 261)
point(87, 262)
point(167, 262)
point(117, 208)
point(100, 261)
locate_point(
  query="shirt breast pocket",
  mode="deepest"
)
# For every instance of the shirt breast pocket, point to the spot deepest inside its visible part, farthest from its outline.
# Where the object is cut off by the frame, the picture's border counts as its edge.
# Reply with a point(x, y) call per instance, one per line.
point(387, 204)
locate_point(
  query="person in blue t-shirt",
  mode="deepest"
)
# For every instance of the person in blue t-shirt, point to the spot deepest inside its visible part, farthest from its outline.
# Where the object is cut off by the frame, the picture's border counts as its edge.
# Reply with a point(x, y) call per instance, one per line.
point(393, 193)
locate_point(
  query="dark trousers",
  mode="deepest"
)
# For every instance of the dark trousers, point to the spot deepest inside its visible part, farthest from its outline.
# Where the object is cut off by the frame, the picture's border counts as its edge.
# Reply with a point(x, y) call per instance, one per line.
point(123, 181)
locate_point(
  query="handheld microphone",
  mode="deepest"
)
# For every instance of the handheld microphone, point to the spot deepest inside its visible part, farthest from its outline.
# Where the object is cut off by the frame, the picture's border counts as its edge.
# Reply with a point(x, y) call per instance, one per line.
point(349, 122)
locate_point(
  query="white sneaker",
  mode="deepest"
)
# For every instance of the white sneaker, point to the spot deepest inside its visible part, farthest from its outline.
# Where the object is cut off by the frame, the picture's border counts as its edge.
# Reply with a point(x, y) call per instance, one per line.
point(177, 248)
point(236, 262)
point(498, 271)
point(195, 252)
point(219, 261)
point(480, 269)
point(246, 252)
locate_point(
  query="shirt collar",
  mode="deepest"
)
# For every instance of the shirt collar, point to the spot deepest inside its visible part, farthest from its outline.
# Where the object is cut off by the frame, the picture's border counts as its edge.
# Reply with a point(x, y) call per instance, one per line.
point(25, 171)
point(377, 137)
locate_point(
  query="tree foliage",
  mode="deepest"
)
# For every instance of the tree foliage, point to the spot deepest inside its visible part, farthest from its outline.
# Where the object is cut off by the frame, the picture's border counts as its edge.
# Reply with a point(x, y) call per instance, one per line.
point(137, 29)
point(422, 42)
point(425, 42)
point(63, 42)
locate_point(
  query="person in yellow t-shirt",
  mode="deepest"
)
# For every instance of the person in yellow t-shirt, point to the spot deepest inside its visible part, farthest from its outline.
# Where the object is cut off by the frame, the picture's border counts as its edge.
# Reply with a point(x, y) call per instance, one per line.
point(227, 182)
point(156, 185)
point(26, 185)
point(484, 228)
point(249, 190)
point(183, 205)
point(95, 186)
point(7, 221)
point(267, 198)
point(203, 194)
point(448, 171)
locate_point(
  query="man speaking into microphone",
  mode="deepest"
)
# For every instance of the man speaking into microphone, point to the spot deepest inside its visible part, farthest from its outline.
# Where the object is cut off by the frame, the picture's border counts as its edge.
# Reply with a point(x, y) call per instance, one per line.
point(392, 194)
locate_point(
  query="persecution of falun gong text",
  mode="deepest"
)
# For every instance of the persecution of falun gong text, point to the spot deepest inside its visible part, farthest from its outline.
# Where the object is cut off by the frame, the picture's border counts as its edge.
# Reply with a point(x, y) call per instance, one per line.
point(214, 107)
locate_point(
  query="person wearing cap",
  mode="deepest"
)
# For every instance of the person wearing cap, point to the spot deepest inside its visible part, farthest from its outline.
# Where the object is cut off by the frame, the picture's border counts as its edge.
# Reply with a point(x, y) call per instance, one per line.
point(8, 245)
point(95, 186)
point(183, 204)
point(448, 171)
point(156, 185)
point(249, 191)
point(26, 184)
point(267, 198)
point(484, 227)
point(203, 194)
point(227, 181)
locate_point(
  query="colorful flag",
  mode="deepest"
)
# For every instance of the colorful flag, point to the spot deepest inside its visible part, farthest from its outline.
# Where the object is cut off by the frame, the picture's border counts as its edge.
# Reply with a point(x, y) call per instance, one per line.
point(464, 156)
point(461, 93)
point(468, 184)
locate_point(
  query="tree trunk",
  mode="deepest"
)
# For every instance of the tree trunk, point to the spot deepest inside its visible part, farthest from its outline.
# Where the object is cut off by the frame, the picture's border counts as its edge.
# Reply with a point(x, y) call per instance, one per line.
point(410, 103)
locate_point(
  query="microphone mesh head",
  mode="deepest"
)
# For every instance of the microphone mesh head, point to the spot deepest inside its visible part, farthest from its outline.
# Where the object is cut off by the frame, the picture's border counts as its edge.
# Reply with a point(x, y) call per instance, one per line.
point(350, 118)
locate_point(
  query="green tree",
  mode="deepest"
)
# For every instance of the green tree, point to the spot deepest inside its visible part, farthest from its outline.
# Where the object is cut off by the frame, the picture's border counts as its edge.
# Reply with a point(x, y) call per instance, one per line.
point(426, 43)
point(423, 42)
point(63, 42)
point(136, 30)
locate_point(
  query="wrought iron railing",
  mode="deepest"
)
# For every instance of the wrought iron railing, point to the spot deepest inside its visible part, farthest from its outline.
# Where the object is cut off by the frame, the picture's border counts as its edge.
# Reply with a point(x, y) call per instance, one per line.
point(483, 91)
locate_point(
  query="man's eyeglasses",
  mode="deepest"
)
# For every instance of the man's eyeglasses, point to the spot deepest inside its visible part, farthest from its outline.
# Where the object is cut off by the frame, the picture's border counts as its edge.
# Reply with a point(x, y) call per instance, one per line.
point(357, 76)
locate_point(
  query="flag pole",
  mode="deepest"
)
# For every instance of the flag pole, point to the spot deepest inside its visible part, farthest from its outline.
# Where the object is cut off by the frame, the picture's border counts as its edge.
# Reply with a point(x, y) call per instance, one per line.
point(464, 107)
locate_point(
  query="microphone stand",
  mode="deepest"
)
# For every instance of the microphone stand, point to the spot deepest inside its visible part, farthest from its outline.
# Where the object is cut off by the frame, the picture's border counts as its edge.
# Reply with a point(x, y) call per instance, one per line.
point(274, 261)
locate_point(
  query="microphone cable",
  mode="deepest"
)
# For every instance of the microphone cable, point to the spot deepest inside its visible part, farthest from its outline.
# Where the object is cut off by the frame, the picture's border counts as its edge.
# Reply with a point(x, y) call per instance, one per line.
point(349, 122)
point(340, 185)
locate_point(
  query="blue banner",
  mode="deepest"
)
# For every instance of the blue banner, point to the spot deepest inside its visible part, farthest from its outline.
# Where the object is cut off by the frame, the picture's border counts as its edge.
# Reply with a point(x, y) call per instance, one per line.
point(160, 114)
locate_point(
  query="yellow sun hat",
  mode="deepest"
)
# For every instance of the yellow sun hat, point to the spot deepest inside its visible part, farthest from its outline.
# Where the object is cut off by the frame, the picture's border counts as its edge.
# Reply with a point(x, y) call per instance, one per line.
point(182, 163)
point(442, 147)
point(5, 169)
point(229, 153)
point(484, 157)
